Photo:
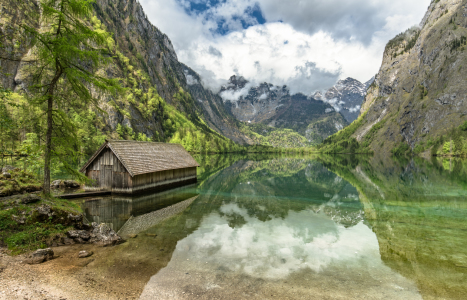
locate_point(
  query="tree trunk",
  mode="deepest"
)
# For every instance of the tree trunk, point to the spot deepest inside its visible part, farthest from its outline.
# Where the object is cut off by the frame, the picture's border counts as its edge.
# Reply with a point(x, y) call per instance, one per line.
point(48, 147)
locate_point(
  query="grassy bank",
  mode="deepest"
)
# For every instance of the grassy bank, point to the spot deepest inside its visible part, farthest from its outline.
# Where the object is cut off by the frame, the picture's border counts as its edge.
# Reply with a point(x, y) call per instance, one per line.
point(29, 222)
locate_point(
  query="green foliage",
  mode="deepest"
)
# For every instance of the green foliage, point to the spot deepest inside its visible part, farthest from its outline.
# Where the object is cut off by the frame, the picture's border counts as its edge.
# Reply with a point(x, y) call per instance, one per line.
point(262, 134)
point(423, 92)
point(402, 149)
point(67, 57)
point(35, 232)
point(457, 43)
point(447, 147)
point(21, 181)
point(342, 141)
point(463, 127)
point(406, 39)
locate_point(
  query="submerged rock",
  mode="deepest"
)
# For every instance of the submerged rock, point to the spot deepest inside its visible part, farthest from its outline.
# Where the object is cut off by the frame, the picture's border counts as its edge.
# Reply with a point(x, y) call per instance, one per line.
point(39, 256)
point(85, 253)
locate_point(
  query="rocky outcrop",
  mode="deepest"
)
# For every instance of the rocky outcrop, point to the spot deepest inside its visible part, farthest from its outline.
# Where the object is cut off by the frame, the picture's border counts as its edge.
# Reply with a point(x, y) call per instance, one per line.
point(346, 97)
point(419, 94)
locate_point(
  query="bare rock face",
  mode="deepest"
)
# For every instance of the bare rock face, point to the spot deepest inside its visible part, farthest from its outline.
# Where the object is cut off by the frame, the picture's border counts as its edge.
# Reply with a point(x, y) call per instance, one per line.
point(346, 97)
point(39, 256)
point(419, 93)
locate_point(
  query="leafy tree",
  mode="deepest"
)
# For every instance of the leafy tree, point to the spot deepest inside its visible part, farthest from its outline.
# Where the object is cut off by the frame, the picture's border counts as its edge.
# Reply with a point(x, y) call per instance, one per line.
point(68, 53)
point(6, 125)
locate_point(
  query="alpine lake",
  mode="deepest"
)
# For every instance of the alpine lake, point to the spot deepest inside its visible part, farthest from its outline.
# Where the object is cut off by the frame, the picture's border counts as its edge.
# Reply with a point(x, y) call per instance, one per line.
point(295, 227)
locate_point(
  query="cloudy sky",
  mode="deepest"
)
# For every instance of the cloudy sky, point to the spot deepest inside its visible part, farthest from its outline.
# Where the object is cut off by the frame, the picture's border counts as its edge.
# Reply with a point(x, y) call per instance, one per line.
point(305, 44)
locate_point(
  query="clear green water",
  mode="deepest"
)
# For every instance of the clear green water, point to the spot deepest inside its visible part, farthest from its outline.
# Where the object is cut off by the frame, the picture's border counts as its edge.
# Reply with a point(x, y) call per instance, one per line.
point(284, 227)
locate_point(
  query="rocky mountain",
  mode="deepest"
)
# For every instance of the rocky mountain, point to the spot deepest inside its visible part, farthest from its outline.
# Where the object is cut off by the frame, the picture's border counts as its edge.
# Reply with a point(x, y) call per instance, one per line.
point(276, 107)
point(160, 102)
point(346, 97)
point(418, 99)
point(213, 109)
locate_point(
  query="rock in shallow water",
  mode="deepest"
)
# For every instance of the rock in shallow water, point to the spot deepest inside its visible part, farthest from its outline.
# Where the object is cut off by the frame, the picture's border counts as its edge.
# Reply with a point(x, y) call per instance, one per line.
point(85, 253)
point(100, 234)
point(103, 235)
point(40, 256)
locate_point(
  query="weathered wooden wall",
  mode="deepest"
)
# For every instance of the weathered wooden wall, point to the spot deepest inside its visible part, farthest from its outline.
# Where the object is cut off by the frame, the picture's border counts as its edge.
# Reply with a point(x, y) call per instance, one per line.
point(109, 173)
point(144, 179)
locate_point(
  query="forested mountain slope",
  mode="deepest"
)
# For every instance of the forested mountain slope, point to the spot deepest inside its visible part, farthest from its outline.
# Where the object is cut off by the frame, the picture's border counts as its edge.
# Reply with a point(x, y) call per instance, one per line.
point(157, 103)
point(418, 99)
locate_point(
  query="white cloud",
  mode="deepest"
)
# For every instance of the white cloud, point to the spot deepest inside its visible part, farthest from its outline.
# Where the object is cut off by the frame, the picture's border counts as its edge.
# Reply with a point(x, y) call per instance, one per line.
point(234, 95)
point(303, 244)
point(317, 42)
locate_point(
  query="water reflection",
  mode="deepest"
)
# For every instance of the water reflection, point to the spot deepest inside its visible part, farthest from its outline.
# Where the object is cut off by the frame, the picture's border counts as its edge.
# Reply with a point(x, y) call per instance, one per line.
point(418, 210)
point(284, 220)
point(283, 227)
point(116, 210)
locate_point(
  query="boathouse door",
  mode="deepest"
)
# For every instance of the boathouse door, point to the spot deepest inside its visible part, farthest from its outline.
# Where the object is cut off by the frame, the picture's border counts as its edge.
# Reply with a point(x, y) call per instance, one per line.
point(108, 178)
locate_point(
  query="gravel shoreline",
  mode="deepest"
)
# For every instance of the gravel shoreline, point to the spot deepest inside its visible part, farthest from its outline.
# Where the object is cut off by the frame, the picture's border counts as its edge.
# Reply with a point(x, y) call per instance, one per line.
point(65, 277)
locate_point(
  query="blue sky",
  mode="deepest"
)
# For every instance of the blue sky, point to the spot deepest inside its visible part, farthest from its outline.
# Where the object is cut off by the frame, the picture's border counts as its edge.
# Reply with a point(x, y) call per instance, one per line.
point(251, 16)
point(305, 44)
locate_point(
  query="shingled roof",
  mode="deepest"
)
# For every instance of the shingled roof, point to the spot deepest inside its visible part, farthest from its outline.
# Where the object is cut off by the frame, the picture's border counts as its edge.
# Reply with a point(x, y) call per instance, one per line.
point(147, 157)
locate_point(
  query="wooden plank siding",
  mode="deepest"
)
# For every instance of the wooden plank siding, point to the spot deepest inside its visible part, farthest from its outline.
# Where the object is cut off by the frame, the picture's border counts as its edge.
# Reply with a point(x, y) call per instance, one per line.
point(108, 173)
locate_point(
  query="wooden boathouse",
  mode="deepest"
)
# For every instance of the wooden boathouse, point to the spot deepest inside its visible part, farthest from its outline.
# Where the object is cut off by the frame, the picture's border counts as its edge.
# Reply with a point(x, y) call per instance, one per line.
point(128, 167)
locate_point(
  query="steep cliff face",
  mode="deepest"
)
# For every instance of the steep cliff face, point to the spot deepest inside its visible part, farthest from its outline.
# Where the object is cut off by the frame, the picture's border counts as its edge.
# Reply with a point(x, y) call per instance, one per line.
point(212, 107)
point(346, 97)
point(419, 94)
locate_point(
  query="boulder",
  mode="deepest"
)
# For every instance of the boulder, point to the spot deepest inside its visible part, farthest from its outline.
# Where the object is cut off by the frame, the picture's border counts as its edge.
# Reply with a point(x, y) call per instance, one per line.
point(55, 184)
point(103, 235)
point(40, 256)
point(79, 235)
point(6, 175)
point(7, 168)
point(71, 184)
point(20, 220)
point(85, 253)
point(30, 199)
point(44, 212)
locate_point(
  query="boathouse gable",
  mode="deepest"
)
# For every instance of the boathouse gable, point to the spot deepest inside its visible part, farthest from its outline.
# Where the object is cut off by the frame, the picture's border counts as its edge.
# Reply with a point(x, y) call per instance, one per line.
point(129, 167)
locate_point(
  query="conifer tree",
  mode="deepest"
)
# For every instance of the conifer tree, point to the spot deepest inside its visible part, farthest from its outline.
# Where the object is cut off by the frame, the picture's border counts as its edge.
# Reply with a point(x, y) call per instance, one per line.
point(68, 54)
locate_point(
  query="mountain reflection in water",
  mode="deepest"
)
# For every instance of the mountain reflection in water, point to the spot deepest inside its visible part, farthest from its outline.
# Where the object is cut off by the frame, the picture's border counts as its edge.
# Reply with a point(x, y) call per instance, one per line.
point(279, 227)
